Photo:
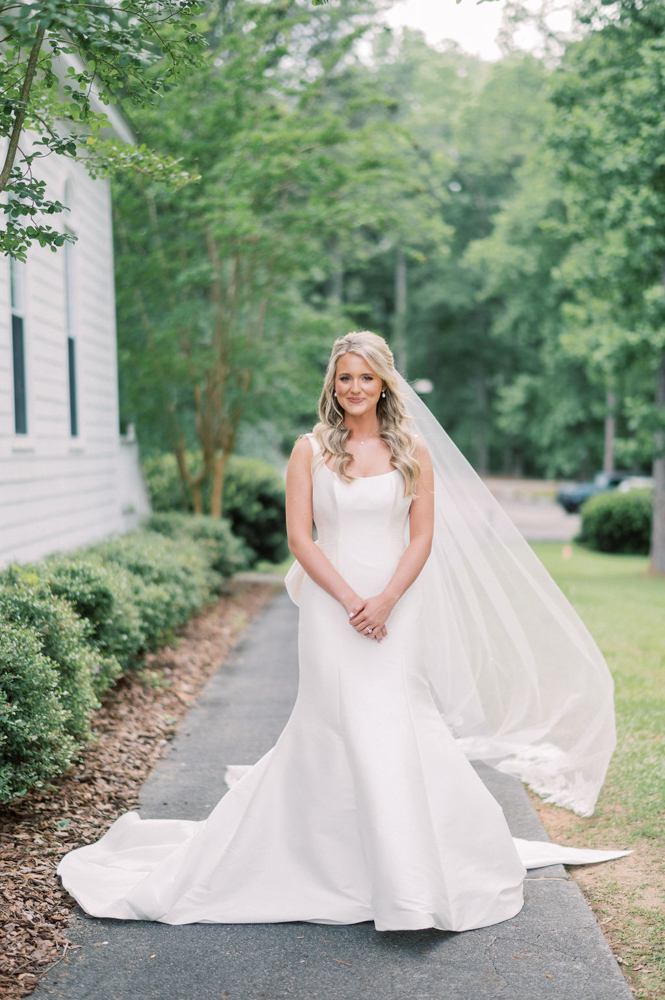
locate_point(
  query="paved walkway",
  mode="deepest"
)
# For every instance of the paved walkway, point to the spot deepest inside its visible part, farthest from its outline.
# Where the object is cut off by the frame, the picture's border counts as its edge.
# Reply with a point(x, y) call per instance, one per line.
point(553, 950)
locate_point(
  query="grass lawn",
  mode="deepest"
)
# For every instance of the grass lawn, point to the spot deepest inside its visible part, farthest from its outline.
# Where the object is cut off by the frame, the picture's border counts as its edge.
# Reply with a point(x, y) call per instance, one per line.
point(624, 609)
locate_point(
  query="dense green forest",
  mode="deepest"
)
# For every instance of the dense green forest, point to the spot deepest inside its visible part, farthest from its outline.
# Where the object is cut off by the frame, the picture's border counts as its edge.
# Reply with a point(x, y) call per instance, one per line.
point(502, 224)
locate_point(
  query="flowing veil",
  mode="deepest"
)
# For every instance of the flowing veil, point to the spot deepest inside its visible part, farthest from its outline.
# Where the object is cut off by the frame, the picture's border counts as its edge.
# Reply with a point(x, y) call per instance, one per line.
point(516, 674)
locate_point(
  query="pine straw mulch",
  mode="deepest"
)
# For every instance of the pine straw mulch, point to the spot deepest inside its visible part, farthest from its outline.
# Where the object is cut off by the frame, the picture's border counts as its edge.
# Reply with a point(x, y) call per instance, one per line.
point(137, 719)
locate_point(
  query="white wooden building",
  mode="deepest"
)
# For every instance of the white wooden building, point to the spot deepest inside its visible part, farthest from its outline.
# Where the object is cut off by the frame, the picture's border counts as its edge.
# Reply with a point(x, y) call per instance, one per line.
point(66, 475)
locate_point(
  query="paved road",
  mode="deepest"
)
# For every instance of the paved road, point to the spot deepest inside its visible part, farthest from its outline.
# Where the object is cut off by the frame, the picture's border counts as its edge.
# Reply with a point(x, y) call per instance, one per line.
point(531, 506)
point(553, 950)
point(542, 520)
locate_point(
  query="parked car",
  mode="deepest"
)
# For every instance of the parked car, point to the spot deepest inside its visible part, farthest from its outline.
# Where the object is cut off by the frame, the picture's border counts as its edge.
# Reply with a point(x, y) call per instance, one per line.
point(572, 495)
point(635, 483)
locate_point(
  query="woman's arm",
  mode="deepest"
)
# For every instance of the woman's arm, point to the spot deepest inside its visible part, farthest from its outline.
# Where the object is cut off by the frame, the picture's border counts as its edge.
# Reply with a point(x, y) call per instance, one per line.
point(299, 530)
point(376, 610)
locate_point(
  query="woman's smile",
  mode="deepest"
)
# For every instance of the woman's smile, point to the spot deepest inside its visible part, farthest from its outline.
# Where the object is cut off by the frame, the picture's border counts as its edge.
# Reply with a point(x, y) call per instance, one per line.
point(357, 387)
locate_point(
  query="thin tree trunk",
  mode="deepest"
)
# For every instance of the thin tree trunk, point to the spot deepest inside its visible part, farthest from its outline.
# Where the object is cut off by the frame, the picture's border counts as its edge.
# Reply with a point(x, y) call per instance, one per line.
point(228, 444)
point(399, 328)
point(193, 483)
point(610, 430)
point(17, 128)
point(197, 497)
point(658, 535)
point(219, 471)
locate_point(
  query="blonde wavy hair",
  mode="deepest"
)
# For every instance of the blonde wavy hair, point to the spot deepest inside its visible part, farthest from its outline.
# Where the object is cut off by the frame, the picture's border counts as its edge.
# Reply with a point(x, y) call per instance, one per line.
point(394, 421)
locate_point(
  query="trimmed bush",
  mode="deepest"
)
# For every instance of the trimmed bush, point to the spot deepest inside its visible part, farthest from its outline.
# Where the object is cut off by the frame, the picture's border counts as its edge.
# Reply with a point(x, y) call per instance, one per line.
point(618, 522)
point(172, 579)
point(104, 596)
point(228, 554)
point(255, 503)
point(34, 741)
point(253, 500)
point(70, 625)
point(164, 483)
point(62, 637)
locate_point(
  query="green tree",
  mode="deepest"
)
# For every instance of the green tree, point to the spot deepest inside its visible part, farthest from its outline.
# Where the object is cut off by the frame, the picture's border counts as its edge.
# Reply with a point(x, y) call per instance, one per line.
point(545, 403)
point(608, 135)
point(209, 277)
point(61, 61)
point(471, 125)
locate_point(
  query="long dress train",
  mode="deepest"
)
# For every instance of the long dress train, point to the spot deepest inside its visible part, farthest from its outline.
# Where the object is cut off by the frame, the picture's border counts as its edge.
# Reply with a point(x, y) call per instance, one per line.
point(365, 808)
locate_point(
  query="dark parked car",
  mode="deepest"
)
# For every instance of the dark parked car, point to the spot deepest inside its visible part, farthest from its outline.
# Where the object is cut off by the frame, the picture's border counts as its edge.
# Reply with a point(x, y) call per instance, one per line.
point(572, 496)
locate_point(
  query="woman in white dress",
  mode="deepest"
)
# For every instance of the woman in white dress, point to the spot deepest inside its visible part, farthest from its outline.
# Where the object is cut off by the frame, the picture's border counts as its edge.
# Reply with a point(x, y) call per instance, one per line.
point(367, 807)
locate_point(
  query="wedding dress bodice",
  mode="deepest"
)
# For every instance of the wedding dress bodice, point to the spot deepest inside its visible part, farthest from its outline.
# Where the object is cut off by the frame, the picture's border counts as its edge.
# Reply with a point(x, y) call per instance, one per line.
point(361, 526)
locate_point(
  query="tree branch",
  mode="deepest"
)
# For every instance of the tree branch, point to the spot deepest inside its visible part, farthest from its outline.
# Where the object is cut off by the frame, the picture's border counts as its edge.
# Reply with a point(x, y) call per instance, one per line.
point(20, 115)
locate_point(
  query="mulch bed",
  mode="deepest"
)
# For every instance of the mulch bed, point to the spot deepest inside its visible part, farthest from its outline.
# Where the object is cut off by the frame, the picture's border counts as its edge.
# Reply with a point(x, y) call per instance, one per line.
point(132, 731)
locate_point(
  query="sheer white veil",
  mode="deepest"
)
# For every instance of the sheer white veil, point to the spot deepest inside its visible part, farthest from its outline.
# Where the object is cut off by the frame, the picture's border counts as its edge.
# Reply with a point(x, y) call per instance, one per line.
point(516, 674)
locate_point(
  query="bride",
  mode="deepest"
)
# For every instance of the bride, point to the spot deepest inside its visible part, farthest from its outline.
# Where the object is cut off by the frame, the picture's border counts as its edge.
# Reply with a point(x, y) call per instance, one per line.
point(429, 634)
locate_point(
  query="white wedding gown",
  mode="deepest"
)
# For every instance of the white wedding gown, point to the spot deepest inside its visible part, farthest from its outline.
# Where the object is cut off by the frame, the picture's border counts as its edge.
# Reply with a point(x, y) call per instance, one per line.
point(365, 809)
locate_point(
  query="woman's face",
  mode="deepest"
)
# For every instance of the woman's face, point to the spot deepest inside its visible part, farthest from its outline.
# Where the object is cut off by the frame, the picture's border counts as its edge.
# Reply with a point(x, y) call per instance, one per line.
point(358, 387)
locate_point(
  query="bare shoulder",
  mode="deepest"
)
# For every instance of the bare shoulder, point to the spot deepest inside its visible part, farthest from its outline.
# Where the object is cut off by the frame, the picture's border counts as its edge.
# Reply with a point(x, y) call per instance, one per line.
point(302, 446)
point(301, 455)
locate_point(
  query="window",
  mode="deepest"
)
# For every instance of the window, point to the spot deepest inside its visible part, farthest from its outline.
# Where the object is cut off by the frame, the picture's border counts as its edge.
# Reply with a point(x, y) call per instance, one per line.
point(16, 274)
point(71, 360)
point(71, 336)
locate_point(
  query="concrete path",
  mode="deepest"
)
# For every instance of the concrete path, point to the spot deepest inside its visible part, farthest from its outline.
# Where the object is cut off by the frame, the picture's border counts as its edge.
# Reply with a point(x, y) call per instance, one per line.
point(553, 950)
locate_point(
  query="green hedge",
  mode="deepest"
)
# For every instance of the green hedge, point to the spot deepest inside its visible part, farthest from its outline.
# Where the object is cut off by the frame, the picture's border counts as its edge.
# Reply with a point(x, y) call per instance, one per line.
point(255, 503)
point(63, 639)
point(70, 625)
point(253, 500)
point(104, 595)
point(34, 739)
point(227, 553)
point(618, 522)
point(171, 579)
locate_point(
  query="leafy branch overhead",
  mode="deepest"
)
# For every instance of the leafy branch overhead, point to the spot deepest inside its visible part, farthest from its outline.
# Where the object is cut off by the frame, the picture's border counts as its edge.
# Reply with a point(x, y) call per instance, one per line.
point(61, 63)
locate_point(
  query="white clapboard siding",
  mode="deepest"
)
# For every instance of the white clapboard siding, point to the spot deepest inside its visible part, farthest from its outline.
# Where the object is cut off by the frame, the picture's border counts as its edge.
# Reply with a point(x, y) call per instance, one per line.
point(58, 492)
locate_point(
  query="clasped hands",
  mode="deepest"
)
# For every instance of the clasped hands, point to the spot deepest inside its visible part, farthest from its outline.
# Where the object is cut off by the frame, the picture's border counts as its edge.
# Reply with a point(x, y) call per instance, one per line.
point(370, 614)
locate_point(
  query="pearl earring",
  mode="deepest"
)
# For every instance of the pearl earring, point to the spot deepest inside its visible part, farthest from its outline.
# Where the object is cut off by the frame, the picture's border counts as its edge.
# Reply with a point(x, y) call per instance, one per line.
point(383, 395)
point(334, 393)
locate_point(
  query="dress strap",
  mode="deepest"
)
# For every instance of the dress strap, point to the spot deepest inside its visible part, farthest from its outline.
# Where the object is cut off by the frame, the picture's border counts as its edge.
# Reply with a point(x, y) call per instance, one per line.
point(316, 447)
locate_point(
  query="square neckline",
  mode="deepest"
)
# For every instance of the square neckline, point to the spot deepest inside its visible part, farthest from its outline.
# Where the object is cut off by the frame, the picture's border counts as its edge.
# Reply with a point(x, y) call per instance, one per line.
point(315, 448)
point(359, 478)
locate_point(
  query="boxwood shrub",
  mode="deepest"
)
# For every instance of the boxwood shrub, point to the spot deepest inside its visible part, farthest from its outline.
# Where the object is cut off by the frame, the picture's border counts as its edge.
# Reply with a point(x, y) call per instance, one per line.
point(618, 522)
point(104, 595)
point(171, 579)
point(227, 554)
point(35, 742)
point(70, 625)
point(255, 503)
point(164, 482)
point(62, 638)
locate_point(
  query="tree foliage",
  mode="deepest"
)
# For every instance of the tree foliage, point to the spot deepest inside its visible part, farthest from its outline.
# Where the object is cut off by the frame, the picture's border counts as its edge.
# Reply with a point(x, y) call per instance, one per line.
point(290, 156)
point(501, 224)
point(608, 132)
point(61, 63)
